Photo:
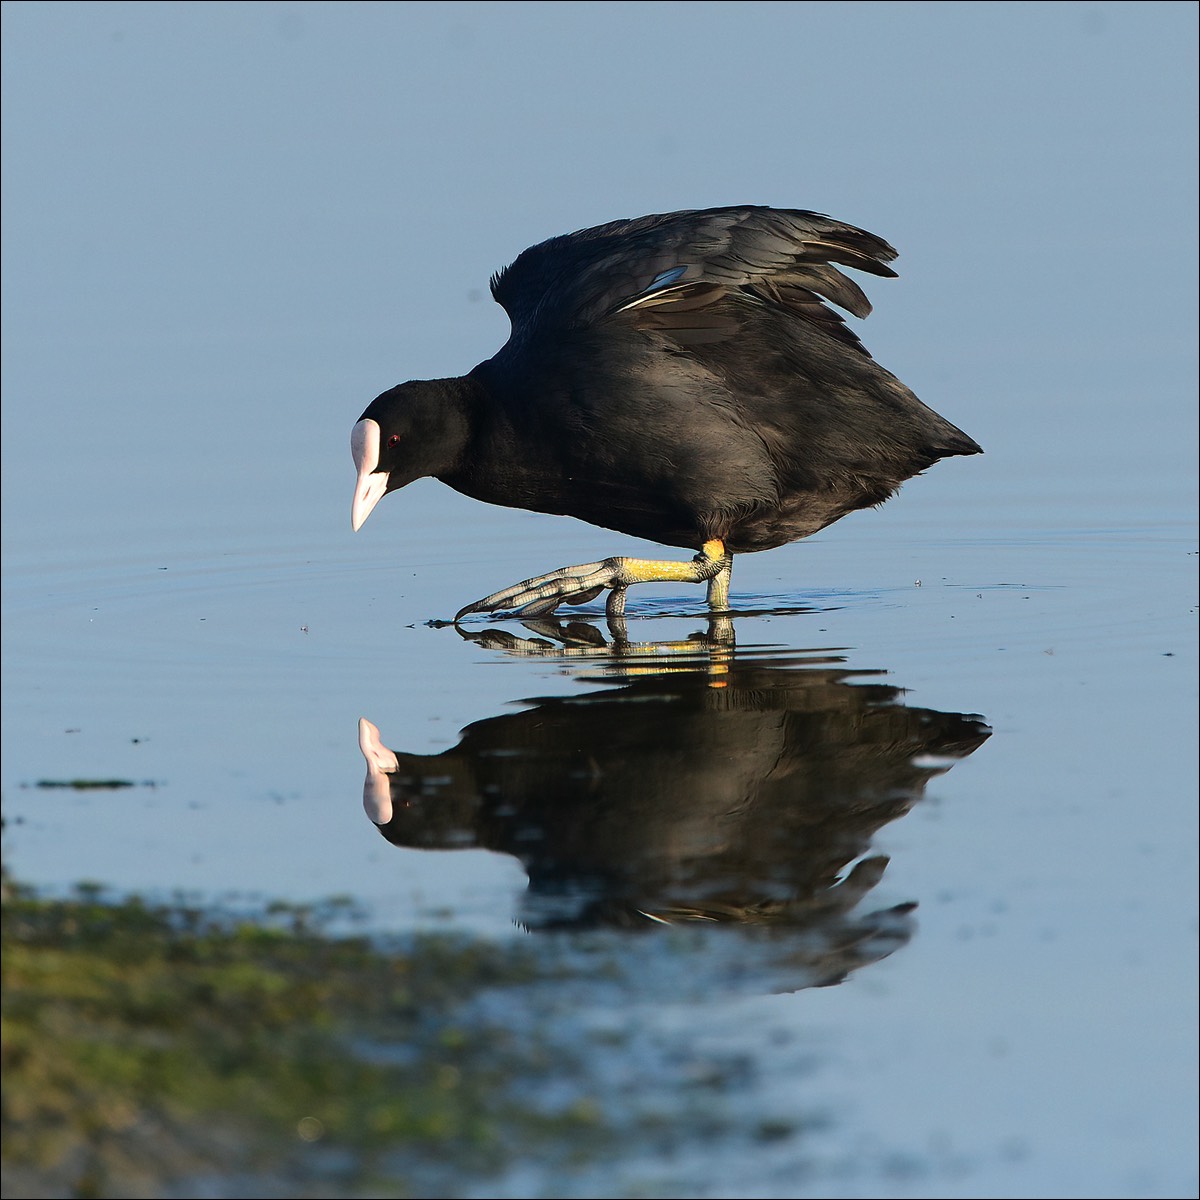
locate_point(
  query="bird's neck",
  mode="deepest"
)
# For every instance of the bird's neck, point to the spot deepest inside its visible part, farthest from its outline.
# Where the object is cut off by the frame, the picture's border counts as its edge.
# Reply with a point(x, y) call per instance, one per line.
point(442, 416)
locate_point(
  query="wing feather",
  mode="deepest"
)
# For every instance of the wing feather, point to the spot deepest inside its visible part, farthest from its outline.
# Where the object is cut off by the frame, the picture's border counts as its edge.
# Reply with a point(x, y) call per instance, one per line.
point(672, 271)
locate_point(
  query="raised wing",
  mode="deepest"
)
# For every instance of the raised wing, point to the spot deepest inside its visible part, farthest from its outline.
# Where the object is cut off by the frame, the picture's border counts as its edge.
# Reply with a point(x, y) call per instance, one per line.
point(672, 271)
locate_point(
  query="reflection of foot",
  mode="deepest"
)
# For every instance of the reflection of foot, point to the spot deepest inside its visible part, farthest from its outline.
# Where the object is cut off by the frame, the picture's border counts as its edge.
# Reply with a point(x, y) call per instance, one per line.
point(551, 635)
point(578, 637)
point(542, 594)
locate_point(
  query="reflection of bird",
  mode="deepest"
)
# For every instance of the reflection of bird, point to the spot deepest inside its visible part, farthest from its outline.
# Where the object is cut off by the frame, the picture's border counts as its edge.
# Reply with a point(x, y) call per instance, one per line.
point(739, 797)
point(677, 378)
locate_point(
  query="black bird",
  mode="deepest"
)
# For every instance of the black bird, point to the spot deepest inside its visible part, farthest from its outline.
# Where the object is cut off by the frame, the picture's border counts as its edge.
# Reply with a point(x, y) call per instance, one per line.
point(678, 378)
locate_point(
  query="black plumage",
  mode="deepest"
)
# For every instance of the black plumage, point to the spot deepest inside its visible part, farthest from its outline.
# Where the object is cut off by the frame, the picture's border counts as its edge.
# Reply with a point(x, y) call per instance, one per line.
point(679, 378)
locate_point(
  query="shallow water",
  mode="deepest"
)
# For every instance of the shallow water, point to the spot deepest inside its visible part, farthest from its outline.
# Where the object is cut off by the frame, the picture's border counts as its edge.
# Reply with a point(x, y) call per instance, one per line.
point(999, 891)
point(949, 772)
point(942, 758)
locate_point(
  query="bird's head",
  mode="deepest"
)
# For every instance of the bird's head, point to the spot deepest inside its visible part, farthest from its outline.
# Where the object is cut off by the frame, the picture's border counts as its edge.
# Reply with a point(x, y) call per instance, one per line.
point(412, 430)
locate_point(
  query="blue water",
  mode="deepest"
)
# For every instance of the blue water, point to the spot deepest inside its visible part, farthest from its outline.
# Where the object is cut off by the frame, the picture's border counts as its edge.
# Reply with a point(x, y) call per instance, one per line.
point(205, 286)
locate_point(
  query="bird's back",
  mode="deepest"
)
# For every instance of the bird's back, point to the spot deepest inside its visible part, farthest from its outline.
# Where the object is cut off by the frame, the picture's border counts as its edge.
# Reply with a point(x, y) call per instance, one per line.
point(681, 378)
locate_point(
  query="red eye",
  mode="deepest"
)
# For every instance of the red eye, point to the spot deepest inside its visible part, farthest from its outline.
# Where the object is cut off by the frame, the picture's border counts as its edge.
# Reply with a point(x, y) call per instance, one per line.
point(393, 441)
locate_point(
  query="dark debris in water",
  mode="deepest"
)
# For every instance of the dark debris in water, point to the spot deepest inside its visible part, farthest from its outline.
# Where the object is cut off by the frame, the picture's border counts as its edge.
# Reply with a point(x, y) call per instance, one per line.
point(94, 785)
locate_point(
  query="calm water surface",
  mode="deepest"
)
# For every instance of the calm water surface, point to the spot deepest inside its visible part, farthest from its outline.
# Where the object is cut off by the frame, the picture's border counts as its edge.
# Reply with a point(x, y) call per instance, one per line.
point(924, 815)
point(941, 763)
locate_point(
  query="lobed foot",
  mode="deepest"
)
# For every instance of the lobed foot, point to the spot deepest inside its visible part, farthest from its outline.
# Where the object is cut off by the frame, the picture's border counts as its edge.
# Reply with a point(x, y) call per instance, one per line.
point(541, 595)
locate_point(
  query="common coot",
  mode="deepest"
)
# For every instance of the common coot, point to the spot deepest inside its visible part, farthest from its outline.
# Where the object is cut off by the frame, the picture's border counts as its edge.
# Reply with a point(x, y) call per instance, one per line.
point(679, 378)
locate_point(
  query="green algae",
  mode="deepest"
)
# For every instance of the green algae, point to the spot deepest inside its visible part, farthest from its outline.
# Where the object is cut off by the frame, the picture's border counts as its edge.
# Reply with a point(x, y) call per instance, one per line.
point(178, 1050)
point(147, 1049)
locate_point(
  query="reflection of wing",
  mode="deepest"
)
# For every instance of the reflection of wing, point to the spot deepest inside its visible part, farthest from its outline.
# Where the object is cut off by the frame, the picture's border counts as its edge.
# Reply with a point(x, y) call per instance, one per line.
point(679, 272)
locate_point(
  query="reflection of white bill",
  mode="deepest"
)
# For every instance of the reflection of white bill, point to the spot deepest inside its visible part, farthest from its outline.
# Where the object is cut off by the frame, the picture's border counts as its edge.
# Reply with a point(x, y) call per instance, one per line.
point(377, 793)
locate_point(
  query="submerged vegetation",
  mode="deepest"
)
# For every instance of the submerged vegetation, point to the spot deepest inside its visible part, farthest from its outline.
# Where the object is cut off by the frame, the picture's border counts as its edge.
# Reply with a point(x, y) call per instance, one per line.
point(147, 1049)
point(166, 1050)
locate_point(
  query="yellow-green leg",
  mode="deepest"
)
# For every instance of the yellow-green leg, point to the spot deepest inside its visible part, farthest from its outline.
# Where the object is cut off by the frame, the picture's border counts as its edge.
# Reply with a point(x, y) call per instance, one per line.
point(577, 585)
